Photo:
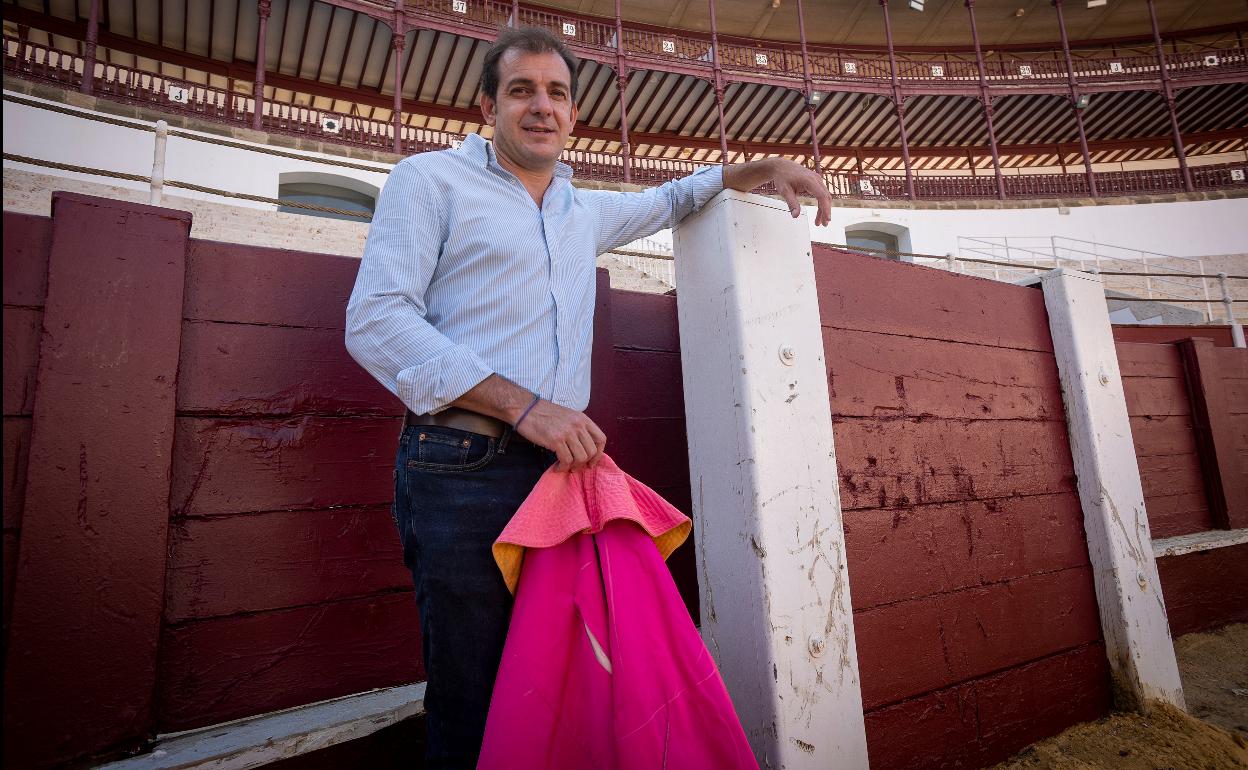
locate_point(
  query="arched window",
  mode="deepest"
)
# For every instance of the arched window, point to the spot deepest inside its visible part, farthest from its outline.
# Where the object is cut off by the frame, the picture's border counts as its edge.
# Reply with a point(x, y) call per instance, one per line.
point(328, 190)
point(880, 239)
point(871, 241)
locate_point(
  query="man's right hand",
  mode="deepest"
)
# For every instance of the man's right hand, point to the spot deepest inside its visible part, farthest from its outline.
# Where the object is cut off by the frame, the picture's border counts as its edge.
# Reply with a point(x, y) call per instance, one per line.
point(573, 437)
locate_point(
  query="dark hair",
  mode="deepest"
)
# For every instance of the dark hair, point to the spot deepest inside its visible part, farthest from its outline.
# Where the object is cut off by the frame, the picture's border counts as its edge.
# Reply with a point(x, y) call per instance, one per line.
point(532, 40)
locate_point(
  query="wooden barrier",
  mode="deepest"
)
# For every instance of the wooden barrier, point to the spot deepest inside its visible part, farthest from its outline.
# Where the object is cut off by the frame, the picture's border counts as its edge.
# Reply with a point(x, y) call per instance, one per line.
point(974, 602)
point(81, 663)
point(1217, 382)
point(1187, 395)
point(233, 552)
point(284, 582)
point(1164, 439)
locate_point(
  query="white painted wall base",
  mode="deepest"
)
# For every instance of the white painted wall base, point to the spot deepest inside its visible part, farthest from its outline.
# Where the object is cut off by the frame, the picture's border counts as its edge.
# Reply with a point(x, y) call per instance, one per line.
point(776, 612)
point(257, 741)
point(1128, 591)
point(1199, 541)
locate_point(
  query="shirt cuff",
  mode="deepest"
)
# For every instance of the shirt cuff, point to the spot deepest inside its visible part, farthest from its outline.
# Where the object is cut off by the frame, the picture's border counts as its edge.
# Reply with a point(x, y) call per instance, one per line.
point(430, 387)
point(706, 183)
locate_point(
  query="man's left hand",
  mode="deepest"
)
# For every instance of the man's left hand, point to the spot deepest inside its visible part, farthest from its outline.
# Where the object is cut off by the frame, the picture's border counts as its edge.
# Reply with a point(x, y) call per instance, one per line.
point(790, 179)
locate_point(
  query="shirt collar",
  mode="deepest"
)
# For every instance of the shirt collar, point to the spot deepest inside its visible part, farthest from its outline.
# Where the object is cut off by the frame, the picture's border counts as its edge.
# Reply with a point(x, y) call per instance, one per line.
point(477, 148)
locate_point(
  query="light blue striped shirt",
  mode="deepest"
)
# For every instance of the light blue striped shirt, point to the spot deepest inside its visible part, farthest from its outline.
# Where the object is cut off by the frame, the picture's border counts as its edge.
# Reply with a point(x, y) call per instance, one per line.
point(463, 276)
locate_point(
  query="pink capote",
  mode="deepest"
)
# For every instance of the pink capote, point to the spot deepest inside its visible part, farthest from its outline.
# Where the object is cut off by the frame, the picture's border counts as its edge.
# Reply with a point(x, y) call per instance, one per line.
point(603, 667)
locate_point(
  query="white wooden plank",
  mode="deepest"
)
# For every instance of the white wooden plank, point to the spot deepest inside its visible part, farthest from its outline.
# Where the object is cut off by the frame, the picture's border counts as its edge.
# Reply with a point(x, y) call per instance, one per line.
point(1199, 541)
point(1128, 592)
point(257, 741)
point(771, 553)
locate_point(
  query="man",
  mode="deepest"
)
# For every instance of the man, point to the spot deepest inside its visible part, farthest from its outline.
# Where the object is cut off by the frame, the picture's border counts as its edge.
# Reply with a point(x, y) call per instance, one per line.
point(474, 305)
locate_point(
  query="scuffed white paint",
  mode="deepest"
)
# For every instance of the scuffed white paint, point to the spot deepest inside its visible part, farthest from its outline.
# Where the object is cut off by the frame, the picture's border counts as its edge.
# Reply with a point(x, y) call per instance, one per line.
point(776, 610)
point(1128, 591)
point(261, 740)
point(1199, 541)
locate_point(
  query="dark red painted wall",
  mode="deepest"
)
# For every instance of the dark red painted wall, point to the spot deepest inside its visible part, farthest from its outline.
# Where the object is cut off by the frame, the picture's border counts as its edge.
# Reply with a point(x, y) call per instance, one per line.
point(27, 242)
point(1205, 590)
point(285, 581)
point(1191, 451)
point(1164, 437)
point(644, 387)
point(279, 576)
point(974, 606)
point(1231, 367)
point(1160, 334)
point(84, 624)
point(283, 584)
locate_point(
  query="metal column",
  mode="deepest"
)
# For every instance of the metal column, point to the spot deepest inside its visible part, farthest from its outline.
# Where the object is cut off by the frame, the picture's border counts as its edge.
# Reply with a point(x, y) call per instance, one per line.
point(986, 98)
point(1167, 92)
point(898, 101)
point(397, 43)
point(257, 115)
point(809, 88)
point(1074, 100)
point(621, 82)
point(88, 53)
point(719, 87)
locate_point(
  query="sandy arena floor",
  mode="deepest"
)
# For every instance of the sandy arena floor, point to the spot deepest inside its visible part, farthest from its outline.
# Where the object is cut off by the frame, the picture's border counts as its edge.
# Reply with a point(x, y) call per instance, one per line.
point(1214, 668)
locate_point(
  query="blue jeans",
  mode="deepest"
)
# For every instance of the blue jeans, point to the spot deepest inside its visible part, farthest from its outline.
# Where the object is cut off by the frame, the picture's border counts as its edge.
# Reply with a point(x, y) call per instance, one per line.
point(454, 493)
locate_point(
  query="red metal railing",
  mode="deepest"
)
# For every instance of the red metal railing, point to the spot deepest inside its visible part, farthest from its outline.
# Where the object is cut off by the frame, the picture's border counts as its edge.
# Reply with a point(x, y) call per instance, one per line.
point(833, 65)
point(183, 97)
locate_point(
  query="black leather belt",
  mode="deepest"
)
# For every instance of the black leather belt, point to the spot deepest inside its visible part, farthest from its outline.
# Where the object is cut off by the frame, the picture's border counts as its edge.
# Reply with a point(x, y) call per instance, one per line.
point(462, 419)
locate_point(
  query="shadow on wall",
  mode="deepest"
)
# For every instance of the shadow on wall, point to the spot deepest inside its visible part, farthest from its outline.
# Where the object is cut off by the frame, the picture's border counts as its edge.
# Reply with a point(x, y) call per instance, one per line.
point(875, 236)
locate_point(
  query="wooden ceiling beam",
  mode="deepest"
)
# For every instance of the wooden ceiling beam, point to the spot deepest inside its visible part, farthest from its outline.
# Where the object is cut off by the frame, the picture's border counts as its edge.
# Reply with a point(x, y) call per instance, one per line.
point(678, 12)
point(602, 92)
point(446, 67)
point(368, 50)
point(424, 70)
point(1012, 28)
point(764, 19)
point(935, 19)
point(281, 41)
point(212, 15)
point(329, 28)
point(303, 43)
point(463, 71)
point(385, 64)
point(234, 46)
point(851, 20)
point(411, 57)
point(346, 51)
point(645, 108)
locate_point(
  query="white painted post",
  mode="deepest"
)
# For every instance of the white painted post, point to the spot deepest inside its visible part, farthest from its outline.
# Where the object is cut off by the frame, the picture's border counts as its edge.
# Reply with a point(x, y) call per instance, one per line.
point(766, 503)
point(1204, 286)
point(158, 163)
point(1128, 592)
point(1237, 331)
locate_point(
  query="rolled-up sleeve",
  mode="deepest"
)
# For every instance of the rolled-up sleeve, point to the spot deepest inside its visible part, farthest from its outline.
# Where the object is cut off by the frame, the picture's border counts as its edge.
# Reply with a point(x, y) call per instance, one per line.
point(625, 217)
point(386, 328)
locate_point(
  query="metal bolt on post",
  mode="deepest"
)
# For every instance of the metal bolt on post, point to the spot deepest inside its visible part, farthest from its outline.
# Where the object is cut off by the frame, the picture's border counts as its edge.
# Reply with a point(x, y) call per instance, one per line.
point(158, 162)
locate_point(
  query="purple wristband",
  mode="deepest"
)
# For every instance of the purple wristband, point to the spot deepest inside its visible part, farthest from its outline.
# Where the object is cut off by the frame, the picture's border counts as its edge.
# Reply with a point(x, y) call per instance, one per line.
point(525, 413)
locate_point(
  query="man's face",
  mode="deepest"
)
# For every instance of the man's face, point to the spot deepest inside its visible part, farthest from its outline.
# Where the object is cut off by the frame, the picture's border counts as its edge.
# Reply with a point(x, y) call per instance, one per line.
point(534, 112)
